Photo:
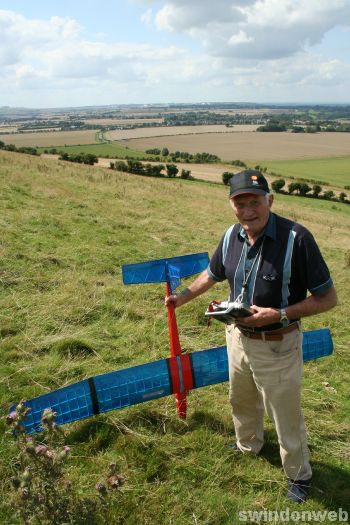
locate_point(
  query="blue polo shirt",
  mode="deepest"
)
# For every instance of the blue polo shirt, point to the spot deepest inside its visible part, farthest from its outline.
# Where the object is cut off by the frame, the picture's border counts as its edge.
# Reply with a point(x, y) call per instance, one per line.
point(285, 262)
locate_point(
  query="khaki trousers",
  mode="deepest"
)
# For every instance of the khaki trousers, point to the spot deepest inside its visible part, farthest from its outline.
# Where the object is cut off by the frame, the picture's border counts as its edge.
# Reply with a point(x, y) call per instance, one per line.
point(266, 376)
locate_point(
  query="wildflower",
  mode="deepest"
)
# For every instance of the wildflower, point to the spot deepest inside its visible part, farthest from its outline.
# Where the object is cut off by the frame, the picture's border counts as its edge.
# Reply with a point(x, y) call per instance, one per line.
point(20, 407)
point(48, 416)
point(63, 454)
point(30, 449)
point(115, 482)
point(112, 469)
point(26, 478)
point(41, 450)
point(101, 488)
point(24, 493)
point(11, 418)
point(50, 454)
point(22, 410)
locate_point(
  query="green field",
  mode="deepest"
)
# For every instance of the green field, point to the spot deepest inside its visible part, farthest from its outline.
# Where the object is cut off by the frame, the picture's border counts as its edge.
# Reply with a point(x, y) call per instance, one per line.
point(65, 231)
point(112, 150)
point(334, 170)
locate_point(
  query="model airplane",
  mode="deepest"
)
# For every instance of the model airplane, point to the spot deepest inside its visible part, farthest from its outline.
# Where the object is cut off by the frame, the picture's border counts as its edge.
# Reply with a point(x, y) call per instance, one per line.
point(176, 375)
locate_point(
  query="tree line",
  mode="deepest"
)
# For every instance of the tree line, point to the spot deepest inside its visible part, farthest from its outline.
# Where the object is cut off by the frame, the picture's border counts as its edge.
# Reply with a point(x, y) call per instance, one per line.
point(21, 149)
point(149, 170)
point(302, 189)
point(184, 156)
point(80, 158)
point(299, 188)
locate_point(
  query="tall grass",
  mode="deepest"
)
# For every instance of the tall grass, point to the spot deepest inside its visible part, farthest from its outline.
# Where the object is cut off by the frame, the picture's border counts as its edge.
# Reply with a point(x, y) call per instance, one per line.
point(66, 230)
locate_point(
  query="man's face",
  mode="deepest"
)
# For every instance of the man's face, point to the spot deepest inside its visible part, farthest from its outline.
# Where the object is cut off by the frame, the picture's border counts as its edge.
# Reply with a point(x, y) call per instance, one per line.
point(252, 211)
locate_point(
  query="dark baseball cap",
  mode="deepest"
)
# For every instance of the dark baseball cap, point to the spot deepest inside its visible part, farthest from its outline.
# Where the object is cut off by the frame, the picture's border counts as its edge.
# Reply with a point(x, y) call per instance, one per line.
point(248, 181)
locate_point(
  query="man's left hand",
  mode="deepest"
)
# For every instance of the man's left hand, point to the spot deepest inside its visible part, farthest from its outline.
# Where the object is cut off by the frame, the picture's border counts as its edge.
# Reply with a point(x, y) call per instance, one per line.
point(261, 317)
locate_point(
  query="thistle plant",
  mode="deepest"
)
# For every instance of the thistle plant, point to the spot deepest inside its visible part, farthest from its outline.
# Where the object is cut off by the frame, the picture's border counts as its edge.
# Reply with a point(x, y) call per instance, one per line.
point(42, 492)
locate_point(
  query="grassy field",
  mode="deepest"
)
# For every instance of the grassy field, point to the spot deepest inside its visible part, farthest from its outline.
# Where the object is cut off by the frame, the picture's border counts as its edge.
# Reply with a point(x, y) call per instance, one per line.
point(65, 315)
point(335, 170)
point(115, 150)
point(254, 147)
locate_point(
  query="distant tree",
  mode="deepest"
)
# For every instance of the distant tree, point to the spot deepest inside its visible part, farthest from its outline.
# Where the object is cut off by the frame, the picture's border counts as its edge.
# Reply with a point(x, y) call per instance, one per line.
point(154, 170)
point(316, 190)
point(294, 186)
point(272, 127)
point(238, 163)
point(165, 152)
point(185, 174)
point(90, 158)
point(329, 195)
point(171, 170)
point(277, 185)
point(342, 196)
point(304, 189)
point(120, 165)
point(64, 156)
point(154, 151)
point(135, 166)
point(298, 129)
point(311, 129)
point(226, 177)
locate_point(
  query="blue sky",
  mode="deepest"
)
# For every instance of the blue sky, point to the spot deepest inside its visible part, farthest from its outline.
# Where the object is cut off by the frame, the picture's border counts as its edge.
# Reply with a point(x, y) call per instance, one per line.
point(69, 53)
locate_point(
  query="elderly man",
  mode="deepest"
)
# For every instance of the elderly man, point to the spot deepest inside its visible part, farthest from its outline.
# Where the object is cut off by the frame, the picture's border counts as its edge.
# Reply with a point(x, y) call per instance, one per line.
point(270, 263)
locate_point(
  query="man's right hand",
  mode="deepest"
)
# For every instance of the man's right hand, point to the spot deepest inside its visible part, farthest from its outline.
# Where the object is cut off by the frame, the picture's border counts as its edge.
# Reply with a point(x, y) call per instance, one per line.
point(199, 286)
point(178, 299)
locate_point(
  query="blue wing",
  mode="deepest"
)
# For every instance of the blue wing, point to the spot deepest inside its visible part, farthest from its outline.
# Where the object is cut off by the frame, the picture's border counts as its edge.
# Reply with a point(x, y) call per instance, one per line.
point(141, 383)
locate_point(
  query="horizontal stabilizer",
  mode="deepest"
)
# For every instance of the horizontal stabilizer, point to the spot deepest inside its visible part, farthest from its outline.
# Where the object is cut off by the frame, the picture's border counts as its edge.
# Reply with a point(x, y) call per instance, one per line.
point(156, 271)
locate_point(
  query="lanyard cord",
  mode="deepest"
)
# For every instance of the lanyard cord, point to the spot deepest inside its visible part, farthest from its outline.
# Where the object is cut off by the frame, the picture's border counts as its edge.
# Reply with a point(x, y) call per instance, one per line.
point(247, 276)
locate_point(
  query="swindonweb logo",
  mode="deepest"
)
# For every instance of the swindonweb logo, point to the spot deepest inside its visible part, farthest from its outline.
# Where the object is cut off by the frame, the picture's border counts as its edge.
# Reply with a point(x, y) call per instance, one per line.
point(294, 516)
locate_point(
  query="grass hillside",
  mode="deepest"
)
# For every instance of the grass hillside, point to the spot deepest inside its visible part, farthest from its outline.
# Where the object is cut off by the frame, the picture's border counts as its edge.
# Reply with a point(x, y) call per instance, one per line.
point(66, 230)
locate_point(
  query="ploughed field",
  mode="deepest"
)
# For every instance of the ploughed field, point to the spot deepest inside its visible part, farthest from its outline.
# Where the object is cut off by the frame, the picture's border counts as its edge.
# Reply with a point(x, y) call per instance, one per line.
point(253, 147)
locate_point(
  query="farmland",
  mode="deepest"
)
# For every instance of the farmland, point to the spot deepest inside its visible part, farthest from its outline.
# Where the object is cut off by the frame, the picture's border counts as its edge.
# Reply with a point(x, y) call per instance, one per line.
point(120, 121)
point(335, 170)
point(254, 147)
point(175, 131)
point(65, 315)
point(110, 150)
point(48, 139)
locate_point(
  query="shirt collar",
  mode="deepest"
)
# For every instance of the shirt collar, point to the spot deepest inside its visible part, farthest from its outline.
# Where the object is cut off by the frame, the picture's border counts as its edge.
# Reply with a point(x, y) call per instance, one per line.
point(270, 228)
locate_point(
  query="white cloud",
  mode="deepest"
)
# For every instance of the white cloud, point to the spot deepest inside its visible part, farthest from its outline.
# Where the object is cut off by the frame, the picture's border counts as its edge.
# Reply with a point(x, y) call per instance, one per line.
point(258, 50)
point(240, 38)
point(254, 29)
